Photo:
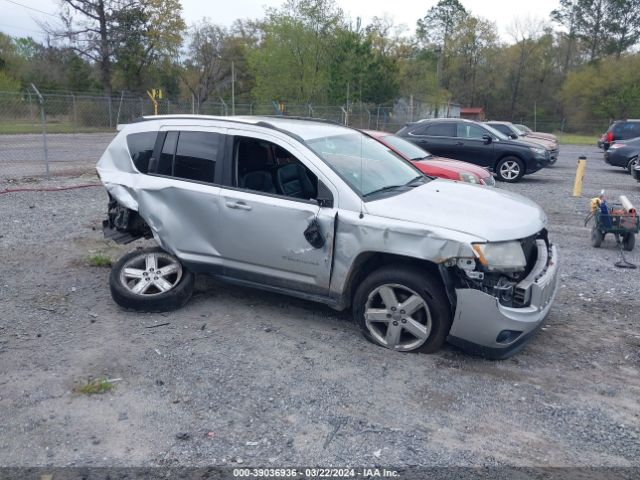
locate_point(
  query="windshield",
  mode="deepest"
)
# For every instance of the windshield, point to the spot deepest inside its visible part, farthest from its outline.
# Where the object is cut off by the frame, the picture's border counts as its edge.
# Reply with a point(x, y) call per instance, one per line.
point(495, 132)
point(406, 148)
point(519, 130)
point(364, 163)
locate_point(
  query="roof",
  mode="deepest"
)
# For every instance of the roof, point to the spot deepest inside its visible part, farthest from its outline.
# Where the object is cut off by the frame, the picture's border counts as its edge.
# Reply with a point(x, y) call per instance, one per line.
point(302, 127)
point(471, 110)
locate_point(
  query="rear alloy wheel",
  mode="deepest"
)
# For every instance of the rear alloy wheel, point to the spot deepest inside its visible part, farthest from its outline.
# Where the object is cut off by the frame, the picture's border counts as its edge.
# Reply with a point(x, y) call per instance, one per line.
point(510, 169)
point(402, 309)
point(150, 280)
point(631, 165)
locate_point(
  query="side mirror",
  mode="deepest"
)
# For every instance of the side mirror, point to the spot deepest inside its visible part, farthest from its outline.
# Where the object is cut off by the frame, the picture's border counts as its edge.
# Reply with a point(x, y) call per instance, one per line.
point(513, 136)
point(324, 197)
point(487, 139)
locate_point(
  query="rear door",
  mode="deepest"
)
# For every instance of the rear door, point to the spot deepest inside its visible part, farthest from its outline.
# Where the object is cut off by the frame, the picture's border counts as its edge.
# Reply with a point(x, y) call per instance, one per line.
point(262, 234)
point(437, 138)
point(181, 202)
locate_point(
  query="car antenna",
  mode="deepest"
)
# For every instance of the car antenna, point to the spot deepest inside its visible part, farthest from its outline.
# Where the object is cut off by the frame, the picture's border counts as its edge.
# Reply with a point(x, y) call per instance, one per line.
point(361, 182)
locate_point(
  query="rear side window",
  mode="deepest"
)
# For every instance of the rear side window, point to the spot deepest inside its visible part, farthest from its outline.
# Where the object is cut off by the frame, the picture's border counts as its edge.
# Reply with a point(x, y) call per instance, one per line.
point(189, 155)
point(441, 130)
point(196, 156)
point(141, 149)
point(631, 130)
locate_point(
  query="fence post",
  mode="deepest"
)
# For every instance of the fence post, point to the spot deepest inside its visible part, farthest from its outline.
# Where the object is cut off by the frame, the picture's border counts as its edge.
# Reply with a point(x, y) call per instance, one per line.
point(44, 130)
point(75, 113)
point(110, 125)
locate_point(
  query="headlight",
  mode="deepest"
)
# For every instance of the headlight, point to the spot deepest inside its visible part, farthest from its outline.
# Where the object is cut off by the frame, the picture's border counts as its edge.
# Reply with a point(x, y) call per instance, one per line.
point(539, 152)
point(489, 181)
point(500, 256)
point(468, 177)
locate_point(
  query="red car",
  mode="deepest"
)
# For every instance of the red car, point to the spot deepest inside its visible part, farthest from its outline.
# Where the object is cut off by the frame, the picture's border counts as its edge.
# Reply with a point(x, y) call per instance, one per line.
point(433, 166)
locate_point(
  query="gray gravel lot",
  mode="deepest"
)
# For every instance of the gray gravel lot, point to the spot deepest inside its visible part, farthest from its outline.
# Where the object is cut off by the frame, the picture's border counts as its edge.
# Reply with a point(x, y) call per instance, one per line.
point(260, 379)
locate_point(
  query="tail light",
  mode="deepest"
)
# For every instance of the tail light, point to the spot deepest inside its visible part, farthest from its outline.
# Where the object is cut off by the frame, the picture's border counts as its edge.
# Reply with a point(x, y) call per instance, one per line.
point(609, 137)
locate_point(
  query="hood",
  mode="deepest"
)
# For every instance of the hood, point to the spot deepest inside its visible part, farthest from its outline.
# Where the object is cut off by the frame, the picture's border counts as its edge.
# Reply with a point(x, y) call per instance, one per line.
point(458, 166)
point(547, 136)
point(448, 168)
point(489, 213)
point(539, 141)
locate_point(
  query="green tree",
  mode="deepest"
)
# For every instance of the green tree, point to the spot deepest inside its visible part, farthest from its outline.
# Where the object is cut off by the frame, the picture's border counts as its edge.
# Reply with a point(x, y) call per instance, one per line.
point(291, 61)
point(149, 34)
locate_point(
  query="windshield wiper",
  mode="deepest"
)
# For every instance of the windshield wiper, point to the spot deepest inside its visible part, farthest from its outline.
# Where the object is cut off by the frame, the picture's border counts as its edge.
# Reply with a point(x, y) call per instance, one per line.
point(383, 189)
point(411, 183)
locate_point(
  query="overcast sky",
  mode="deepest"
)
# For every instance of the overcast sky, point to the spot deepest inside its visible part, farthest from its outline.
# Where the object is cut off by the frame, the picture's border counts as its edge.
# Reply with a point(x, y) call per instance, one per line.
point(21, 21)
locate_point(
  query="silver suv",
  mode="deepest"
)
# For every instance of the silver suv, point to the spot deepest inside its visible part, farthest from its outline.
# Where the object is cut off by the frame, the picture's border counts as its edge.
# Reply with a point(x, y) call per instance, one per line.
point(320, 211)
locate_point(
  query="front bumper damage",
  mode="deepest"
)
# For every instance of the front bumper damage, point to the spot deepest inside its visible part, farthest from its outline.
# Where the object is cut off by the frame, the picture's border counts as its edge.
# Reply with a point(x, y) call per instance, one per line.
point(484, 326)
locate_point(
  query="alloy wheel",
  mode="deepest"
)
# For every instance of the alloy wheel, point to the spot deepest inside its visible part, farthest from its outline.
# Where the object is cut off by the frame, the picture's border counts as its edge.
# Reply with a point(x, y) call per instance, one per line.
point(397, 317)
point(151, 273)
point(510, 170)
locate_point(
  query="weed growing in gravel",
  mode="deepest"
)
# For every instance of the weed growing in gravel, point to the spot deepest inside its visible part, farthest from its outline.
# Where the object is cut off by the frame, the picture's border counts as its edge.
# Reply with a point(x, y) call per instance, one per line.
point(99, 260)
point(95, 386)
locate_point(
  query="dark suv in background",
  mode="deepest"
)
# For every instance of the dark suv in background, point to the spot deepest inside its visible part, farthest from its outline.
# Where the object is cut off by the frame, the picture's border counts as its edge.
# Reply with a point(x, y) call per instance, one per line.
point(621, 130)
point(479, 144)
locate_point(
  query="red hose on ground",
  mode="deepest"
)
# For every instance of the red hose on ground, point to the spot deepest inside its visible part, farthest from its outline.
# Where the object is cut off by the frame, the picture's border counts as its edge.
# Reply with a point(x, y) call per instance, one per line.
point(51, 189)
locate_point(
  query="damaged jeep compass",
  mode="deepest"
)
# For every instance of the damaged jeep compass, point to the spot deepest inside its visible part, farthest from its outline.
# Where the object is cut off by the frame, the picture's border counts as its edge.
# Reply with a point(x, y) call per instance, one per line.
point(320, 211)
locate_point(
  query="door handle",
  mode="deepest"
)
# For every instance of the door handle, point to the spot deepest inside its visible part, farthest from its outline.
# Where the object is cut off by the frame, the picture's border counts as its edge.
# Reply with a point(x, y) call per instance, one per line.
point(459, 143)
point(240, 205)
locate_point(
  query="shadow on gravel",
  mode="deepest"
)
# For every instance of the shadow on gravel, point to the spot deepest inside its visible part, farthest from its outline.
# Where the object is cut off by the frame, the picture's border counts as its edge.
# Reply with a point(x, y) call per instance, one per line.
point(210, 289)
point(540, 180)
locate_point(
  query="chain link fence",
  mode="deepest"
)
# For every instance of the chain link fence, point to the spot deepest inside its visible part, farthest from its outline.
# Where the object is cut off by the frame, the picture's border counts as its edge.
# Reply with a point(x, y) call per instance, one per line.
point(65, 133)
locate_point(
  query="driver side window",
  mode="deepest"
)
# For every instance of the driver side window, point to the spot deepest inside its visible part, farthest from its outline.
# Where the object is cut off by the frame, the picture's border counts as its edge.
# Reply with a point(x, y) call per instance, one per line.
point(263, 166)
point(470, 131)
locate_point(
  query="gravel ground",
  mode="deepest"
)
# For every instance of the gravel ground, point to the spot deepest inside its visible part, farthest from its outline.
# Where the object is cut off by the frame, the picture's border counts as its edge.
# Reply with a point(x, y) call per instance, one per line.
point(243, 377)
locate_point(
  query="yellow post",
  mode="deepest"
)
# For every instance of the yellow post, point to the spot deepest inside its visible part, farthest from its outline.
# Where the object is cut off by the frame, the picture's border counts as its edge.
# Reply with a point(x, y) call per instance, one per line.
point(577, 185)
point(152, 95)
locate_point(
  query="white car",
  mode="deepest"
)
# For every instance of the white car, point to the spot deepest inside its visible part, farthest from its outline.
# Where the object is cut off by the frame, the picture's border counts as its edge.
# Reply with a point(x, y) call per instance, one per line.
point(320, 211)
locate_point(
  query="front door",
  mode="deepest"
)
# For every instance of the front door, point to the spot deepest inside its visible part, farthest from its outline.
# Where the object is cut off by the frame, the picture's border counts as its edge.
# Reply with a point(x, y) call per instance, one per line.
point(472, 146)
point(262, 227)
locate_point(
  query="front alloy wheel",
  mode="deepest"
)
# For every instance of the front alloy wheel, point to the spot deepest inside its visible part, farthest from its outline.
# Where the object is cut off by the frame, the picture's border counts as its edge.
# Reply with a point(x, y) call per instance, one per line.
point(510, 170)
point(403, 308)
point(397, 317)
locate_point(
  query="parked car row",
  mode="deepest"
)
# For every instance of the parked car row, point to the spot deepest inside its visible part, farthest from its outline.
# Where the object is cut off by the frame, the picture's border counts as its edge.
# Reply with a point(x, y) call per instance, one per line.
point(510, 156)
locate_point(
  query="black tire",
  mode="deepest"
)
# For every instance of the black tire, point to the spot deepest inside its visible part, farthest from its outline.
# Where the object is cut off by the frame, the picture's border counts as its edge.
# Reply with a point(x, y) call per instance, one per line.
point(159, 301)
point(629, 241)
point(630, 166)
point(596, 237)
point(511, 163)
point(416, 280)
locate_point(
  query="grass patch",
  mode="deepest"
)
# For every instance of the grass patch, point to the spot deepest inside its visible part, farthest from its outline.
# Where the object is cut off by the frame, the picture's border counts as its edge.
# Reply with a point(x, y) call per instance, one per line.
point(96, 386)
point(576, 139)
point(36, 127)
point(99, 260)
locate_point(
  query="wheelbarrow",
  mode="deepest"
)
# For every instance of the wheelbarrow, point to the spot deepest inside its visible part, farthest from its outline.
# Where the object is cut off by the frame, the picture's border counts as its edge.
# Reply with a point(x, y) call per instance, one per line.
point(619, 219)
